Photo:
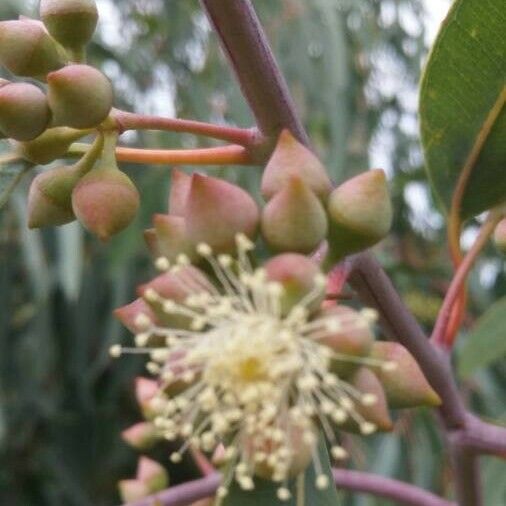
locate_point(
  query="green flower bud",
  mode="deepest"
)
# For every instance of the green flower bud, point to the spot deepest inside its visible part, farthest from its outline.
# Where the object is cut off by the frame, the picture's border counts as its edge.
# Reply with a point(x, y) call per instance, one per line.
point(294, 219)
point(405, 385)
point(70, 22)
point(141, 436)
point(290, 158)
point(354, 339)
point(171, 237)
point(152, 474)
point(360, 214)
point(79, 96)
point(27, 50)
point(299, 276)
point(180, 185)
point(372, 407)
point(500, 236)
point(132, 490)
point(51, 145)
point(50, 195)
point(24, 112)
point(216, 211)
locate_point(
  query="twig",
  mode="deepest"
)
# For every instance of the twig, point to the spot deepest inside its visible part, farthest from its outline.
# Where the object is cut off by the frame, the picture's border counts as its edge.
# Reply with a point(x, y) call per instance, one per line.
point(132, 121)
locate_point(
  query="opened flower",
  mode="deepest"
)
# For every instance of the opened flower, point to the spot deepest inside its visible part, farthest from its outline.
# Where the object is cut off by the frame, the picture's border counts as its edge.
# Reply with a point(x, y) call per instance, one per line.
point(245, 363)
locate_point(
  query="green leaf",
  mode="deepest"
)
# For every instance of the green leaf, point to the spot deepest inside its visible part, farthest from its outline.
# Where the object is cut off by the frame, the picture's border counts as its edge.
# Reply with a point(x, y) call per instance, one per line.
point(487, 342)
point(462, 105)
point(265, 491)
point(10, 176)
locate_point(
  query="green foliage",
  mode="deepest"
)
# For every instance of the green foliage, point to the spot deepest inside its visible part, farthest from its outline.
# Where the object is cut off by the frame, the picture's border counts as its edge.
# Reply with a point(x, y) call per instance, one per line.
point(464, 81)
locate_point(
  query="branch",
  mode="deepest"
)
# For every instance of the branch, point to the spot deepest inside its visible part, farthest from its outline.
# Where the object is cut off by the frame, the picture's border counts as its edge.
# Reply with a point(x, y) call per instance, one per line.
point(483, 437)
point(222, 155)
point(371, 282)
point(466, 475)
point(131, 121)
point(247, 48)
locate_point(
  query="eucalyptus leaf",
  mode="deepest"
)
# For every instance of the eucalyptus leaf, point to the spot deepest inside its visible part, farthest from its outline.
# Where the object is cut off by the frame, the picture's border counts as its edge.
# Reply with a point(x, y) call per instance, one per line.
point(486, 342)
point(462, 105)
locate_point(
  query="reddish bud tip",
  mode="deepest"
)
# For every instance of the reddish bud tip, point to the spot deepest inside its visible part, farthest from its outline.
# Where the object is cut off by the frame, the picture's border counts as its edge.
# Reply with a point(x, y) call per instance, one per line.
point(141, 436)
point(128, 314)
point(145, 390)
point(152, 474)
point(216, 211)
point(171, 237)
point(294, 219)
point(290, 158)
point(180, 185)
point(79, 96)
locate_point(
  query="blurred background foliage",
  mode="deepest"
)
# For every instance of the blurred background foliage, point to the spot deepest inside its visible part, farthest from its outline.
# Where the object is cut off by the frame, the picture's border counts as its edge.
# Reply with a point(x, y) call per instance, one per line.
point(353, 68)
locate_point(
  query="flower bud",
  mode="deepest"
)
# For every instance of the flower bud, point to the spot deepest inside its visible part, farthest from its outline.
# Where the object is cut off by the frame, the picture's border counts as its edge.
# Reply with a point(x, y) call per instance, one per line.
point(216, 211)
point(70, 22)
point(79, 96)
point(500, 236)
point(152, 474)
point(151, 242)
point(405, 385)
point(294, 219)
point(290, 158)
point(128, 314)
point(171, 237)
point(24, 112)
point(360, 213)
point(180, 184)
point(132, 490)
point(353, 338)
point(141, 436)
point(105, 201)
point(145, 391)
point(376, 413)
point(299, 276)
point(51, 145)
point(27, 50)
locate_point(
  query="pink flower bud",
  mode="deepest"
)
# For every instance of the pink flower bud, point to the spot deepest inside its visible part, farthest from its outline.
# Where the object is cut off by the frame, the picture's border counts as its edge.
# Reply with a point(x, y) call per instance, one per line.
point(298, 275)
point(171, 237)
point(405, 385)
point(152, 474)
point(376, 412)
point(500, 236)
point(141, 436)
point(132, 490)
point(289, 159)
point(52, 144)
point(145, 390)
point(128, 314)
point(27, 50)
point(105, 201)
point(354, 338)
point(216, 211)
point(151, 241)
point(180, 185)
point(24, 112)
point(70, 22)
point(79, 96)
point(294, 219)
point(360, 213)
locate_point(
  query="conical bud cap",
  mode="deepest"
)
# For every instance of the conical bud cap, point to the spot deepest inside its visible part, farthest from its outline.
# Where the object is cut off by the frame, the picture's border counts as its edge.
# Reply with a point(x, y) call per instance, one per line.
point(24, 111)
point(291, 158)
point(294, 219)
point(180, 184)
point(79, 96)
point(171, 237)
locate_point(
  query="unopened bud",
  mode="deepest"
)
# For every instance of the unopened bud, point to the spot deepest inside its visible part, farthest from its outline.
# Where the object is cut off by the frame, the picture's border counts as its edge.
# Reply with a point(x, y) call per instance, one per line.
point(79, 96)
point(145, 390)
point(405, 385)
point(500, 236)
point(171, 237)
point(360, 213)
point(180, 184)
point(298, 277)
point(24, 112)
point(132, 490)
point(217, 211)
point(141, 436)
point(348, 334)
point(294, 219)
point(27, 50)
point(51, 145)
point(70, 22)
point(292, 159)
point(152, 474)
point(128, 315)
